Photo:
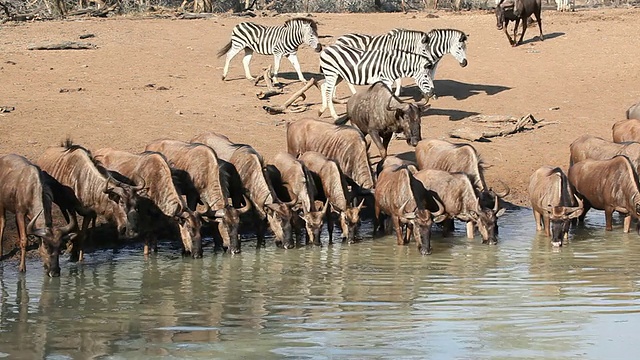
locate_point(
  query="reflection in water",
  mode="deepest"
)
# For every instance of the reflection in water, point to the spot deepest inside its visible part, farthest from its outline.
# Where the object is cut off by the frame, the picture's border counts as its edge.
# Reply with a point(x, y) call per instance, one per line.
point(522, 298)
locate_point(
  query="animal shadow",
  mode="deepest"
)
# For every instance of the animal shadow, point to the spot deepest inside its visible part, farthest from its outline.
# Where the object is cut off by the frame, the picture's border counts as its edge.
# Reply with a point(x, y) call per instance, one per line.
point(546, 37)
point(458, 90)
point(454, 115)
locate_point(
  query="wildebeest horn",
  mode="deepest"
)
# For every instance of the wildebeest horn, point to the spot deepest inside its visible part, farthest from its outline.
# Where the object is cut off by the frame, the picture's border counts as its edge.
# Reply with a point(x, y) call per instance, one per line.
point(388, 107)
point(73, 222)
point(207, 209)
point(402, 210)
point(325, 207)
point(246, 207)
point(361, 203)
point(141, 183)
point(294, 200)
point(496, 205)
point(440, 210)
point(506, 192)
point(32, 223)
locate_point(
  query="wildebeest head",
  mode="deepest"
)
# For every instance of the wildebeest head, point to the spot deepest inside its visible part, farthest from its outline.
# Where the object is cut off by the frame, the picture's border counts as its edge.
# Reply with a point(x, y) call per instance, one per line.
point(313, 221)
point(486, 219)
point(421, 220)
point(228, 220)
point(309, 30)
point(409, 117)
point(279, 218)
point(51, 240)
point(189, 225)
point(350, 222)
point(560, 220)
point(125, 206)
point(423, 78)
point(500, 15)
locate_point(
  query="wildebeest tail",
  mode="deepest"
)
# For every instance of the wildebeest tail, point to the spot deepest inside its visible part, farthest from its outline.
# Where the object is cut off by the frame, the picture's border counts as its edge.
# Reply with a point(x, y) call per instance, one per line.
point(342, 120)
point(225, 49)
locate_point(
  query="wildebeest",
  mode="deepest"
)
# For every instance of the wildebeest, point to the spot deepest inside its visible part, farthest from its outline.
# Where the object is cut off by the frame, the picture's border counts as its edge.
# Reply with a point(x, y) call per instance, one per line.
point(24, 192)
point(201, 163)
point(554, 203)
point(271, 40)
point(151, 168)
point(344, 144)
point(462, 201)
point(252, 171)
point(376, 111)
point(331, 187)
point(97, 191)
point(592, 147)
point(634, 111)
point(609, 185)
point(443, 155)
point(293, 182)
point(401, 196)
point(518, 10)
point(626, 130)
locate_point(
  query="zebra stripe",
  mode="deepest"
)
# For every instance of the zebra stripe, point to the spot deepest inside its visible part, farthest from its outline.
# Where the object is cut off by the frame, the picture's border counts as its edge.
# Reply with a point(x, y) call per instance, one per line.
point(278, 41)
point(360, 67)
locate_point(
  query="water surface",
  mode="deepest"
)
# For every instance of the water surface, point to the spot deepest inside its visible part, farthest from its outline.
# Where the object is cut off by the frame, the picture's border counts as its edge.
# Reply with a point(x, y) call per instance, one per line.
point(519, 299)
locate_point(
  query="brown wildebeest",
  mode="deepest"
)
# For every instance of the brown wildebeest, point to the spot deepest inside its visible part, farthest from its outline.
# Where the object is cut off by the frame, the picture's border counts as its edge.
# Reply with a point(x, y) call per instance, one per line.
point(201, 163)
point(344, 144)
point(331, 187)
point(633, 112)
point(626, 130)
point(443, 155)
point(609, 185)
point(292, 181)
point(517, 10)
point(554, 203)
point(462, 201)
point(152, 169)
point(592, 147)
point(400, 195)
point(252, 172)
point(379, 113)
point(96, 190)
point(24, 192)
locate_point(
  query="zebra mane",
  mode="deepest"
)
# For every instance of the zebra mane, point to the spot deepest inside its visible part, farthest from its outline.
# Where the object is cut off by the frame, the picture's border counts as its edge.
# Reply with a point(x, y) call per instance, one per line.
point(463, 36)
point(397, 31)
point(312, 23)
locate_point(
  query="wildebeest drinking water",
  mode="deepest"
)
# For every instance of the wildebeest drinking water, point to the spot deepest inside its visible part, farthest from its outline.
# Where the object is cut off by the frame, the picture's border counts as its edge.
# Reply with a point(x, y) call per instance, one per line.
point(517, 10)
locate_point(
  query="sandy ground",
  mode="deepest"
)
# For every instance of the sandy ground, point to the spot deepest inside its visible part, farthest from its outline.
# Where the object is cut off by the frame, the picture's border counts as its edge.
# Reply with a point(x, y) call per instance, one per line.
point(155, 78)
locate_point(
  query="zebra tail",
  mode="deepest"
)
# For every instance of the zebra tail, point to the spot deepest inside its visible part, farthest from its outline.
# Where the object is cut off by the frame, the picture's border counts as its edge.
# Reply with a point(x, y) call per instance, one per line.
point(225, 49)
point(342, 120)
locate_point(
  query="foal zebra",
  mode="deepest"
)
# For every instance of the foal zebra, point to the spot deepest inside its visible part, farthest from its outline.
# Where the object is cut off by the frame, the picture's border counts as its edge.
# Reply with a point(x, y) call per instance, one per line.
point(271, 40)
point(435, 44)
point(360, 67)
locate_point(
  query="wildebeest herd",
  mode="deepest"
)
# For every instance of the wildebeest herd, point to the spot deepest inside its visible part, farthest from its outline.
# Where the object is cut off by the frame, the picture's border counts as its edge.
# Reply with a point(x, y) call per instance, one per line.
point(325, 175)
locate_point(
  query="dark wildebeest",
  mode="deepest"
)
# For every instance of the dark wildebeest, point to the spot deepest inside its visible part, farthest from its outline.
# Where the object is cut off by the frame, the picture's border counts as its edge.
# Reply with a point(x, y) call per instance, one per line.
point(626, 130)
point(331, 186)
point(201, 163)
point(153, 170)
point(96, 190)
point(554, 203)
point(401, 196)
point(609, 185)
point(633, 112)
point(344, 144)
point(462, 201)
point(517, 10)
point(252, 172)
point(24, 192)
point(595, 148)
point(379, 113)
point(292, 181)
point(443, 155)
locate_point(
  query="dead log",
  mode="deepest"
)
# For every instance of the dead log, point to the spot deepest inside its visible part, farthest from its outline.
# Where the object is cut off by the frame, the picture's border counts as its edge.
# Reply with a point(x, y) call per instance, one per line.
point(66, 45)
point(297, 95)
point(271, 90)
point(525, 123)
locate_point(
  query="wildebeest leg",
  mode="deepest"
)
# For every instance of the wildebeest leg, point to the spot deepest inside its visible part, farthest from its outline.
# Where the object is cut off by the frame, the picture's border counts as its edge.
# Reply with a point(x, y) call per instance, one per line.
point(245, 63)
point(538, 218)
point(470, 229)
point(515, 31)
point(22, 235)
point(386, 139)
point(506, 32)
point(586, 207)
point(375, 137)
point(398, 227)
point(408, 233)
point(77, 243)
point(547, 225)
point(539, 20)
point(297, 229)
point(293, 58)
point(276, 67)
point(524, 29)
point(2, 222)
point(447, 227)
point(261, 229)
point(377, 222)
point(230, 54)
point(627, 223)
point(330, 227)
point(608, 218)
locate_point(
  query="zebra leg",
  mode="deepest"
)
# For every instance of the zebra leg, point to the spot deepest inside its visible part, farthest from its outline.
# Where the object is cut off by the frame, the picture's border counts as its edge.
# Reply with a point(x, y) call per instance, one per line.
point(323, 93)
point(248, 53)
point(276, 67)
point(330, 92)
point(293, 58)
point(230, 54)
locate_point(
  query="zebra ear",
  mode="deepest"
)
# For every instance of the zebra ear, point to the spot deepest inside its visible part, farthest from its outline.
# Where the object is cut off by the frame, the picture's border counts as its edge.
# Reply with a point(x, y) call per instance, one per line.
point(425, 38)
point(463, 37)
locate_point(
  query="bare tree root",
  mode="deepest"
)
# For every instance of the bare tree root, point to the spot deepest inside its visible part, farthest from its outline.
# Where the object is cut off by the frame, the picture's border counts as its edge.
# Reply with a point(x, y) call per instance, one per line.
point(273, 110)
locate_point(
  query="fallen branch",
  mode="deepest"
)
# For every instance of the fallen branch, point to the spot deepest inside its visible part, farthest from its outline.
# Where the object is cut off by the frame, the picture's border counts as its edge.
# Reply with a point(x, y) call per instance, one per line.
point(66, 45)
point(271, 90)
point(297, 95)
point(193, 16)
point(527, 122)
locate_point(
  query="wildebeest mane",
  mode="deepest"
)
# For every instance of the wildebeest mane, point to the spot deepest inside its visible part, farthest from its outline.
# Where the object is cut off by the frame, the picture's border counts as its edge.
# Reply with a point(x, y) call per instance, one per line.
point(71, 147)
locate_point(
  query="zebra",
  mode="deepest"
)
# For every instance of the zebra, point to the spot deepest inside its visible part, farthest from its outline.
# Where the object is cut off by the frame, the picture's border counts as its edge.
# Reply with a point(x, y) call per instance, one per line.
point(440, 42)
point(362, 67)
point(271, 40)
